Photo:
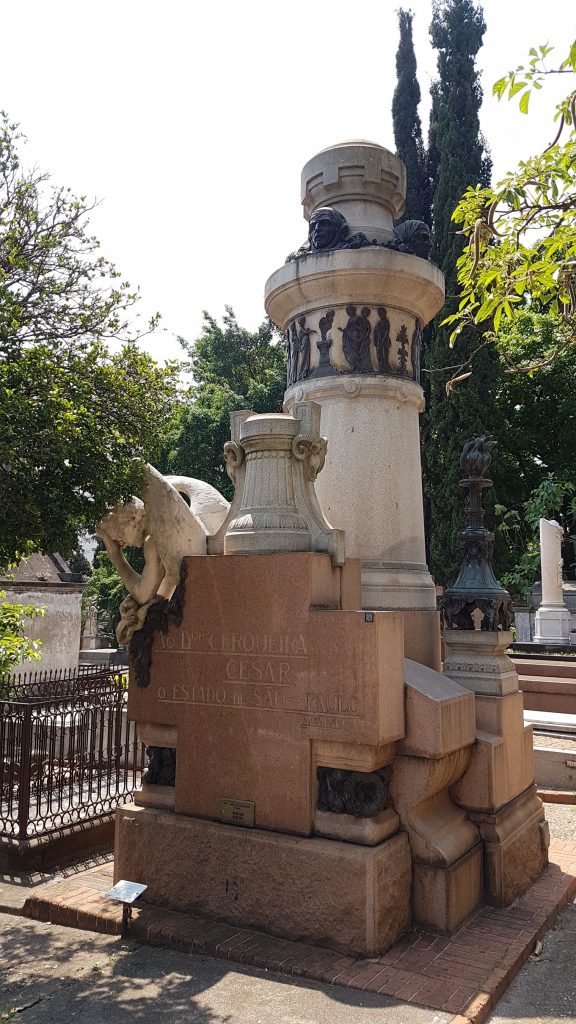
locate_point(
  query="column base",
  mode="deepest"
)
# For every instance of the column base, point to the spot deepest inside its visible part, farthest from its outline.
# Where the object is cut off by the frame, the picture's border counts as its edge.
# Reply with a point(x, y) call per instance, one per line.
point(355, 899)
point(443, 897)
point(397, 585)
point(552, 625)
point(516, 840)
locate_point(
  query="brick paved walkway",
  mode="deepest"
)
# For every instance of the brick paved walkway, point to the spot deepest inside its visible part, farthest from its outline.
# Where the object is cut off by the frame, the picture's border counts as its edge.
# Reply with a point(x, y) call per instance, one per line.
point(464, 974)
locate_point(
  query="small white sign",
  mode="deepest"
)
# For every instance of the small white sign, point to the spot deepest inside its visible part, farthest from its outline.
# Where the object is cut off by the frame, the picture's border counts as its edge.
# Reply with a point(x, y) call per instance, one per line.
point(126, 892)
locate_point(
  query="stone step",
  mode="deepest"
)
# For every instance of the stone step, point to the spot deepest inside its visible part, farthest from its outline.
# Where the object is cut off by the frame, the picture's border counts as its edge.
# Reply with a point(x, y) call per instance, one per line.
point(551, 721)
point(554, 768)
point(551, 668)
point(556, 696)
point(547, 685)
point(556, 683)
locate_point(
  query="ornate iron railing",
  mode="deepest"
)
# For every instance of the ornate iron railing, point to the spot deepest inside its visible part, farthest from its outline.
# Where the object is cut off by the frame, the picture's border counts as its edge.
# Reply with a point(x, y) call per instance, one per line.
point(68, 754)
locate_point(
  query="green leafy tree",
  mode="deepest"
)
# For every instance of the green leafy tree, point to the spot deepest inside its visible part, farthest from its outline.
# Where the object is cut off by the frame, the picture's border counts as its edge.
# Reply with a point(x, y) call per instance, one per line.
point(457, 157)
point(521, 233)
point(107, 591)
point(15, 646)
point(407, 125)
point(74, 414)
point(72, 422)
point(539, 410)
point(233, 369)
point(552, 498)
point(538, 448)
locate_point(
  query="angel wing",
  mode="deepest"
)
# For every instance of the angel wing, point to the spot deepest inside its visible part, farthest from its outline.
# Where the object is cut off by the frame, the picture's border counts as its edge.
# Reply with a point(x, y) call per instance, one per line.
point(207, 504)
point(175, 529)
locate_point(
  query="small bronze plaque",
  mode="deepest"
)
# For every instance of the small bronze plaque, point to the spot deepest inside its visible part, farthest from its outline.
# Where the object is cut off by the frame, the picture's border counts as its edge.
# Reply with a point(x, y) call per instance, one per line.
point(238, 812)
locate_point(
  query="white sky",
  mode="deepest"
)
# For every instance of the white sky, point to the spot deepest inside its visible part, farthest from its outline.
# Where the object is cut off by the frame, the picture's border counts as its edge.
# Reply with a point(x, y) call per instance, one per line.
point(191, 121)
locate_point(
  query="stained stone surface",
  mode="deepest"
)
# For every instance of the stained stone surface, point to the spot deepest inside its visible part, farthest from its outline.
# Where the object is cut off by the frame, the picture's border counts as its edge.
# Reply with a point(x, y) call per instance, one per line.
point(264, 683)
point(348, 897)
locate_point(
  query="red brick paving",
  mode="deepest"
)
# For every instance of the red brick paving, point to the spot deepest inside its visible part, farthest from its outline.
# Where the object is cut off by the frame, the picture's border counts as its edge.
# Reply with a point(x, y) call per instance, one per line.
point(465, 974)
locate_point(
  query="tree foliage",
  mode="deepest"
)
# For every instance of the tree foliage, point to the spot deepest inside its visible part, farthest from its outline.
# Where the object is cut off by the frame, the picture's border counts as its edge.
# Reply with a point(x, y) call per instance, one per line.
point(54, 285)
point(407, 124)
point(78, 563)
point(107, 591)
point(539, 410)
point(233, 369)
point(457, 156)
point(552, 498)
point(74, 414)
point(72, 422)
point(15, 646)
point(521, 233)
point(537, 450)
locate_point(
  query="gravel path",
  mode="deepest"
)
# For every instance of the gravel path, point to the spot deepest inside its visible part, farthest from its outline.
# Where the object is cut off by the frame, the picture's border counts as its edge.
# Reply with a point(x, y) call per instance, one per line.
point(562, 820)
point(542, 740)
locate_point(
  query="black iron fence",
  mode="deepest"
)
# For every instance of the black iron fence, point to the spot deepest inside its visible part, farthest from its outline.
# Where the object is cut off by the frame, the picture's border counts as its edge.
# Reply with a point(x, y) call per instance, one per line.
point(68, 753)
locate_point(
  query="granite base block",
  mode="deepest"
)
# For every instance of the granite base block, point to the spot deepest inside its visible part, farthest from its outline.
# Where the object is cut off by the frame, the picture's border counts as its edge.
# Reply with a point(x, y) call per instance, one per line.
point(444, 897)
point(355, 899)
point(516, 841)
point(154, 796)
point(364, 831)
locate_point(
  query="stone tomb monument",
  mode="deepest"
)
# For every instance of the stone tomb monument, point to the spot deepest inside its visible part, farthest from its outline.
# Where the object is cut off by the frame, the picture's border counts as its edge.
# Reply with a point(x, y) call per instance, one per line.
point(553, 620)
point(270, 676)
point(310, 769)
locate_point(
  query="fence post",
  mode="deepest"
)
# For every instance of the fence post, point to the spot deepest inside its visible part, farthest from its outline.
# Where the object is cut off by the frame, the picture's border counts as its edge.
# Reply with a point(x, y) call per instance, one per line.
point(25, 772)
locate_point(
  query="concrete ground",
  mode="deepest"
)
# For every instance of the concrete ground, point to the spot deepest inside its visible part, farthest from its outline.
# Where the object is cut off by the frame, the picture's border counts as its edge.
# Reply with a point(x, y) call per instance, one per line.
point(545, 990)
point(53, 974)
point(50, 973)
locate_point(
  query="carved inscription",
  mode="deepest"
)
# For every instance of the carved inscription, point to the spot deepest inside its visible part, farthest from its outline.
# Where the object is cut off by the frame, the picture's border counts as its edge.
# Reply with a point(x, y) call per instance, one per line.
point(223, 696)
point(322, 722)
point(332, 703)
point(292, 644)
point(265, 697)
point(254, 671)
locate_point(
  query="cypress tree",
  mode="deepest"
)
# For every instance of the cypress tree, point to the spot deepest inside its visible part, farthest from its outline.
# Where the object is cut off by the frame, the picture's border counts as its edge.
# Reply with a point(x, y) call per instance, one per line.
point(407, 124)
point(457, 158)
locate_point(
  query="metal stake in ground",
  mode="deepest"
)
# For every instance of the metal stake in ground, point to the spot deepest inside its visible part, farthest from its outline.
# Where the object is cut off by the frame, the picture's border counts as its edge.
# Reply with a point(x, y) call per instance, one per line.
point(126, 893)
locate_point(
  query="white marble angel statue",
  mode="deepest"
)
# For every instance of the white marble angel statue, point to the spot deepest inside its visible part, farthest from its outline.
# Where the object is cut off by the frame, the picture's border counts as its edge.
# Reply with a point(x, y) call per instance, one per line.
point(167, 529)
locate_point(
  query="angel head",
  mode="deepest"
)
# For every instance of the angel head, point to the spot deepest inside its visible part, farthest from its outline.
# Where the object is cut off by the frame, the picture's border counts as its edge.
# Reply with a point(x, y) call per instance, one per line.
point(126, 524)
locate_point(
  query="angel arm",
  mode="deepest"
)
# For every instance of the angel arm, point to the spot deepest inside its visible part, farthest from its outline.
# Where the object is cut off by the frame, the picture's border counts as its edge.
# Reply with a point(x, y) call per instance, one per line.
point(143, 587)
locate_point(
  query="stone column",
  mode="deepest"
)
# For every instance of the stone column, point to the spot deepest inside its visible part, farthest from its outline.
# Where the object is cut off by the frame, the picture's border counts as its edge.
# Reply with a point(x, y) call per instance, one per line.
point(353, 310)
point(552, 618)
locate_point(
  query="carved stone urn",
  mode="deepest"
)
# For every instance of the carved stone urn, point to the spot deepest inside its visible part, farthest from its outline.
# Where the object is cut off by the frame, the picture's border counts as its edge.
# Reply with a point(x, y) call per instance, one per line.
point(353, 304)
point(273, 460)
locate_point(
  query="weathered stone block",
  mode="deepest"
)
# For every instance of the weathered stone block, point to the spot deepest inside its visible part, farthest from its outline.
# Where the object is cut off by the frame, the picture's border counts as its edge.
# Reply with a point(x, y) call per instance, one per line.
point(347, 897)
